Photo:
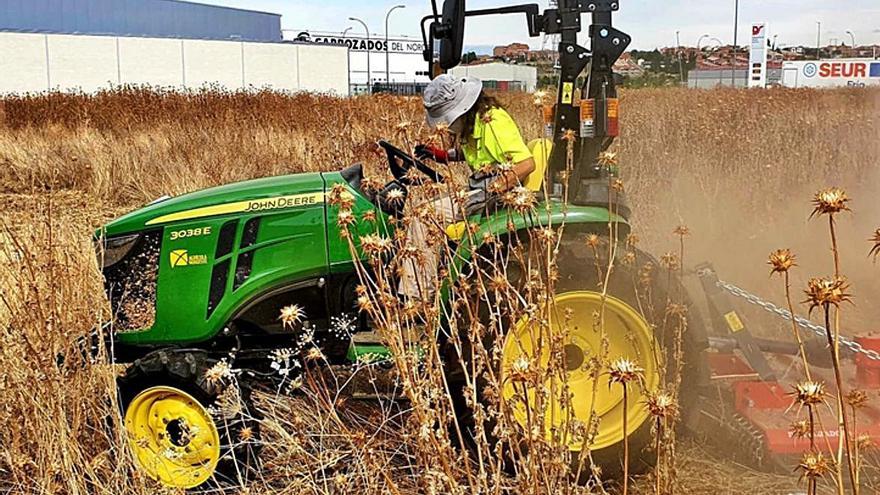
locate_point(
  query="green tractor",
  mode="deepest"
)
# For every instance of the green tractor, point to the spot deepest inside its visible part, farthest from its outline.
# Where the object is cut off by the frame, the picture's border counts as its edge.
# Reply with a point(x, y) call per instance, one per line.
point(199, 279)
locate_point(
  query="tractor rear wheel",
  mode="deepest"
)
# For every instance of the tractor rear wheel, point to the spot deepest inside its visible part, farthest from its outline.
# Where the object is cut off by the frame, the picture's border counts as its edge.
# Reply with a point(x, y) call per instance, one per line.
point(636, 328)
point(185, 430)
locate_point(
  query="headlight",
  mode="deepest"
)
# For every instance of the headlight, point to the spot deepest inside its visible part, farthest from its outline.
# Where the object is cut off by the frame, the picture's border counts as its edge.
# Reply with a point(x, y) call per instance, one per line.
point(113, 250)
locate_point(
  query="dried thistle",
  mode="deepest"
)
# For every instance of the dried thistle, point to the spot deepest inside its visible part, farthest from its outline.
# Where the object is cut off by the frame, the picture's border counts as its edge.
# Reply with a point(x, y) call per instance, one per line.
point(375, 245)
point(823, 292)
point(220, 373)
point(875, 250)
point(291, 315)
point(662, 405)
point(569, 135)
point(829, 201)
point(809, 393)
point(520, 199)
point(682, 231)
point(395, 197)
point(857, 399)
point(339, 196)
point(670, 262)
point(608, 158)
point(781, 260)
point(813, 466)
point(800, 429)
point(593, 240)
point(623, 371)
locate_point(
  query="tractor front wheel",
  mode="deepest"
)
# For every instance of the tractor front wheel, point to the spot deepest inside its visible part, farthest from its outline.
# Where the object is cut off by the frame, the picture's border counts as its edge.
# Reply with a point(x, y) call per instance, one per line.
point(184, 429)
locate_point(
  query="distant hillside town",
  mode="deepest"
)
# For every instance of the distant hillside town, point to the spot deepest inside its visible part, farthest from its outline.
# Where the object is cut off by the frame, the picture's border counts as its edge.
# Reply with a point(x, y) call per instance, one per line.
point(674, 65)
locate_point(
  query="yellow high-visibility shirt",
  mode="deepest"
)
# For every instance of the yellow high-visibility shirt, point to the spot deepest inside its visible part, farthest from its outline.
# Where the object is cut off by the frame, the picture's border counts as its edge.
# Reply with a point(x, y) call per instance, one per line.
point(496, 140)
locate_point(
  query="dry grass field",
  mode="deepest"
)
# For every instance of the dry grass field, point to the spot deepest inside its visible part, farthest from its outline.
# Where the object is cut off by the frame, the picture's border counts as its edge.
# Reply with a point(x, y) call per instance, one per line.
point(739, 168)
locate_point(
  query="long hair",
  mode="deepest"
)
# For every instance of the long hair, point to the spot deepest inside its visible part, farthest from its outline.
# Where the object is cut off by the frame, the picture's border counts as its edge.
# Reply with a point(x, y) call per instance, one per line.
point(483, 104)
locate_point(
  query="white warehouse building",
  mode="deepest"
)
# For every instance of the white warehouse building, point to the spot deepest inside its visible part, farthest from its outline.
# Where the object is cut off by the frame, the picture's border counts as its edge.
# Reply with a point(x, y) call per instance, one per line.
point(35, 62)
point(500, 76)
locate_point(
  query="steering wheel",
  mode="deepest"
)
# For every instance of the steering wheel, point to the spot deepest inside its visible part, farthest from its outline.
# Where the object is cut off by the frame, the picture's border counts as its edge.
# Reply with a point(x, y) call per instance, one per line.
point(401, 162)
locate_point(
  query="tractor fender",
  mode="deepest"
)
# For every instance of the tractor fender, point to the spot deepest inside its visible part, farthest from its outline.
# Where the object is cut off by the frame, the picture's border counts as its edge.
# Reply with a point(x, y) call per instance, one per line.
point(580, 218)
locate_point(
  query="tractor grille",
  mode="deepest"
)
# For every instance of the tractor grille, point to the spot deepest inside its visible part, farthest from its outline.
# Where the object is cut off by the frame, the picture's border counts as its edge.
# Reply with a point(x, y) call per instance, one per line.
point(130, 283)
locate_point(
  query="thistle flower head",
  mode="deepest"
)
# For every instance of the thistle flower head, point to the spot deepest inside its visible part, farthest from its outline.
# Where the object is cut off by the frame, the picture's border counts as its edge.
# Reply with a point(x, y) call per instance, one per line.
point(593, 240)
point(682, 231)
point(813, 466)
point(800, 429)
point(339, 196)
point(623, 370)
point(809, 393)
point(291, 315)
point(830, 201)
point(345, 218)
point(520, 199)
point(314, 354)
point(857, 399)
point(662, 405)
point(568, 135)
point(822, 292)
point(375, 245)
point(781, 261)
point(670, 261)
point(395, 196)
point(608, 158)
point(875, 249)
point(221, 372)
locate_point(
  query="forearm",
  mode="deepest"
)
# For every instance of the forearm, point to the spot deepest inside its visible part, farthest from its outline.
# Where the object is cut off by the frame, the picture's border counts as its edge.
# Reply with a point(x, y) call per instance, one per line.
point(514, 176)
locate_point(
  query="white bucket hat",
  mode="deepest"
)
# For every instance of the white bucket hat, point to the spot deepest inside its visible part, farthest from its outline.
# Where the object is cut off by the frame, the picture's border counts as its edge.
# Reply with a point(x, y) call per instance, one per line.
point(447, 98)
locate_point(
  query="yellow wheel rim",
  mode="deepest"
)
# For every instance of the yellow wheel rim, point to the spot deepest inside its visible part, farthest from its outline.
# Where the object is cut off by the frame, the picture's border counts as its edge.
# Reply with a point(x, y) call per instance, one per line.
point(629, 336)
point(173, 437)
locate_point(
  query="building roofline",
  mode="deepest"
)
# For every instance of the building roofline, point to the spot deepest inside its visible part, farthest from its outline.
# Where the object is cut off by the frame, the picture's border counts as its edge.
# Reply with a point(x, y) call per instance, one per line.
point(136, 35)
point(224, 7)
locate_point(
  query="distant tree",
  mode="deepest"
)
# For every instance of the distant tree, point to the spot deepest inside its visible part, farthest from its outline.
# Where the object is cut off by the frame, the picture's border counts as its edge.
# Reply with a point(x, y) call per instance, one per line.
point(468, 57)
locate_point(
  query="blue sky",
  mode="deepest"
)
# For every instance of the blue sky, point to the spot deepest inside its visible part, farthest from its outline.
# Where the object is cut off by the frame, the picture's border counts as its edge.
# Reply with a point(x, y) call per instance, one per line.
point(652, 23)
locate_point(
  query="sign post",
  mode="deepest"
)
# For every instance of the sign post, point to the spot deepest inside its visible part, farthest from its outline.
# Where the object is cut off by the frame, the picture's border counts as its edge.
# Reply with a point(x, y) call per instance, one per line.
point(758, 56)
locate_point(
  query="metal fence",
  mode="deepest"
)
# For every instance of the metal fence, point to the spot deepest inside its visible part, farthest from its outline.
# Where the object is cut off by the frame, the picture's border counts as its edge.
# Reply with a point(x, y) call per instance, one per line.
point(708, 79)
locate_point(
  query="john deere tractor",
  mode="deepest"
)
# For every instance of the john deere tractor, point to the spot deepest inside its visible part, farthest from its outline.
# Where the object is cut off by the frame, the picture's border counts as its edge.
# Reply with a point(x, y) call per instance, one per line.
point(201, 278)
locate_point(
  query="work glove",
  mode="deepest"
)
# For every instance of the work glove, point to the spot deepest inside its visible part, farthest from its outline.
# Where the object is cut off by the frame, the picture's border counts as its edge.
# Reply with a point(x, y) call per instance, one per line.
point(427, 151)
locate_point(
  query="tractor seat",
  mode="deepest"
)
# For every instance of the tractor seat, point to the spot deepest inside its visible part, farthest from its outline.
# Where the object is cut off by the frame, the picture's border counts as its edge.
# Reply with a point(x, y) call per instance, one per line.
point(540, 149)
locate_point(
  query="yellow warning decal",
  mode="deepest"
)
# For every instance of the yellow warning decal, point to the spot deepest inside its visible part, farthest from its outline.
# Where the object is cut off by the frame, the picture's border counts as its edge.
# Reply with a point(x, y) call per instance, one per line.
point(734, 322)
point(567, 93)
point(276, 203)
point(181, 257)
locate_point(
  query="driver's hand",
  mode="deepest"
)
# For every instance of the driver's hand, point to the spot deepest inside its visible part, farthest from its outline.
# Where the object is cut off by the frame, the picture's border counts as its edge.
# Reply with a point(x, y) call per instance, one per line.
point(427, 151)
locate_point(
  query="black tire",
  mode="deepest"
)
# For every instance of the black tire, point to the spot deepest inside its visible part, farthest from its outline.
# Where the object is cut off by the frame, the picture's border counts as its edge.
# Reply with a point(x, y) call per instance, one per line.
point(185, 370)
point(577, 271)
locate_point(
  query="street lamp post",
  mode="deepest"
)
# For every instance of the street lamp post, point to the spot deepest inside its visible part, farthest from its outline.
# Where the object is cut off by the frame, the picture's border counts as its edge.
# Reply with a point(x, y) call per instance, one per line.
point(818, 40)
point(700, 41)
point(678, 49)
point(369, 75)
point(852, 36)
point(700, 51)
point(735, 29)
point(387, 48)
point(346, 31)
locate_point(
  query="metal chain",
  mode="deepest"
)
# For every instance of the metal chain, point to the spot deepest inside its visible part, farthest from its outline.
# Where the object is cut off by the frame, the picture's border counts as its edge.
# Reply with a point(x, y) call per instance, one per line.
point(801, 322)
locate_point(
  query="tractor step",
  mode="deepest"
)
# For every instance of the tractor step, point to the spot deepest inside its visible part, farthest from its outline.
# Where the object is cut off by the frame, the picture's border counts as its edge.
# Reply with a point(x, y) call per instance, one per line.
point(367, 347)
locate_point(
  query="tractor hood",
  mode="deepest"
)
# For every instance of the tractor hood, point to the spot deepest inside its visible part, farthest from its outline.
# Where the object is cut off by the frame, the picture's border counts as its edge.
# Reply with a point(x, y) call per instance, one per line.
point(260, 194)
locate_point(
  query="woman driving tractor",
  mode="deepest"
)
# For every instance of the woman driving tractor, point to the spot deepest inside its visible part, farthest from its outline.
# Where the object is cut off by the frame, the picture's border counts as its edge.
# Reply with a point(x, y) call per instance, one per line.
point(488, 140)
